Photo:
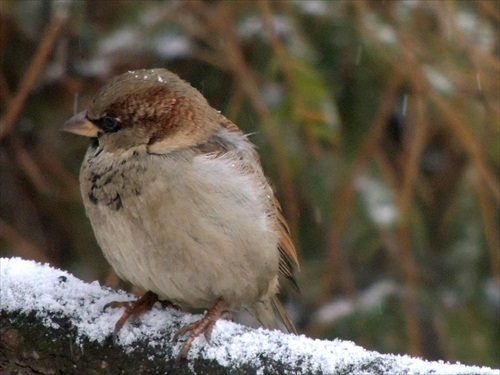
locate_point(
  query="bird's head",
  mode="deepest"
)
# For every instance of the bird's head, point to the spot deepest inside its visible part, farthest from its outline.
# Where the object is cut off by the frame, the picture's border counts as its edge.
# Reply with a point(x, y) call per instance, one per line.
point(152, 107)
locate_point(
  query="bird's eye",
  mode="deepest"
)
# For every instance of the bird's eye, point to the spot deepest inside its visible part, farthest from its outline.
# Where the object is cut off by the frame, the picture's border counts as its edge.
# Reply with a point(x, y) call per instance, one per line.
point(109, 124)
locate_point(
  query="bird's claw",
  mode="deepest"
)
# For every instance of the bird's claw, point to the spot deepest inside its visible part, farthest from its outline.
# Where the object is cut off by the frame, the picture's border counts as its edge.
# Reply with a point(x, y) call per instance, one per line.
point(133, 309)
point(205, 325)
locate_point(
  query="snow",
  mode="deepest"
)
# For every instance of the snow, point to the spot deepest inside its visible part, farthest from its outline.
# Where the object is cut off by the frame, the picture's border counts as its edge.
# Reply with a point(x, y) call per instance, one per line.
point(480, 33)
point(173, 47)
point(120, 40)
point(27, 286)
point(491, 289)
point(438, 80)
point(272, 94)
point(367, 301)
point(316, 8)
point(384, 32)
point(379, 201)
point(254, 26)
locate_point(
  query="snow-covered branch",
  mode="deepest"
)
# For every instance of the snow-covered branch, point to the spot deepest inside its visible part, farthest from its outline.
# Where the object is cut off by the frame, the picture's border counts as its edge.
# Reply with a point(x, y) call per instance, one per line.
point(52, 322)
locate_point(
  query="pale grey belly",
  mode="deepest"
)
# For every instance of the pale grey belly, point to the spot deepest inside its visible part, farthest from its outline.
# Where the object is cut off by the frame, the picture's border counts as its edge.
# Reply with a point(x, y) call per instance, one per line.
point(187, 248)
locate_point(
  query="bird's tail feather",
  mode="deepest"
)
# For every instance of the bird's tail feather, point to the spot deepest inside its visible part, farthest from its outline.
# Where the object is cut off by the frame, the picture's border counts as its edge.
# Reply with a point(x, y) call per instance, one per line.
point(271, 314)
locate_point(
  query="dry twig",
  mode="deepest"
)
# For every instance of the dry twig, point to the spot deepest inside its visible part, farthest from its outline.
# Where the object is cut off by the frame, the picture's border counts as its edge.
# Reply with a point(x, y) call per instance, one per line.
point(16, 104)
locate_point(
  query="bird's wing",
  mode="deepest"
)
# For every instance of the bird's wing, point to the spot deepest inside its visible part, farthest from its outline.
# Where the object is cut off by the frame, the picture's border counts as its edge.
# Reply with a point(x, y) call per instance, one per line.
point(288, 254)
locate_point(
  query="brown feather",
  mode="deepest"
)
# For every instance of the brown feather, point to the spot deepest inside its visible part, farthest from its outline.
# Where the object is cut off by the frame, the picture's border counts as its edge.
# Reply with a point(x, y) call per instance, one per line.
point(288, 254)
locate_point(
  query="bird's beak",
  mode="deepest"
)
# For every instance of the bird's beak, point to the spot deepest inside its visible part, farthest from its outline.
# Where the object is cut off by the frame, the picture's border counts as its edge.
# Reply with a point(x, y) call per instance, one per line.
point(79, 124)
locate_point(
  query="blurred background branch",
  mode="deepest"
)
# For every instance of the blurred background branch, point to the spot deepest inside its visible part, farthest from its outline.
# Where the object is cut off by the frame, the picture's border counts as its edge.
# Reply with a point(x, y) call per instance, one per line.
point(377, 122)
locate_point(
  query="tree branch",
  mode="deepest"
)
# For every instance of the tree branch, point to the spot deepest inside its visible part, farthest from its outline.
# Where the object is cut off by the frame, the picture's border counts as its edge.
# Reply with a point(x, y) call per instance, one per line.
point(53, 322)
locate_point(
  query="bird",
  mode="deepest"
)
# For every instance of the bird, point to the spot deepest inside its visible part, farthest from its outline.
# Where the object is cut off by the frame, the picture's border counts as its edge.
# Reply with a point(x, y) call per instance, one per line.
point(179, 204)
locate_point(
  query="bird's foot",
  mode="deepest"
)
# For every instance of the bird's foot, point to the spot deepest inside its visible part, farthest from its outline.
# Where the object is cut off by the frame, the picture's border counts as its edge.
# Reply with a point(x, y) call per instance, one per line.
point(134, 309)
point(205, 325)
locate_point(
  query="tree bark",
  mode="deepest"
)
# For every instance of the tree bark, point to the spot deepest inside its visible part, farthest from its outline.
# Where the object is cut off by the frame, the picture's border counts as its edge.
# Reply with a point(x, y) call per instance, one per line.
point(54, 323)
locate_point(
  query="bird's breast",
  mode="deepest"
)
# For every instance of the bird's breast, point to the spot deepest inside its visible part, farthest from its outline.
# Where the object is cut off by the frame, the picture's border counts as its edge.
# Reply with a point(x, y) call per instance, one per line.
point(190, 228)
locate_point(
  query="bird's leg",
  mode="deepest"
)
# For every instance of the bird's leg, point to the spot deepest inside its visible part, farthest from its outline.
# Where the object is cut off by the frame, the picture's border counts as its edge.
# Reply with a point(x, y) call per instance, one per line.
point(205, 325)
point(134, 309)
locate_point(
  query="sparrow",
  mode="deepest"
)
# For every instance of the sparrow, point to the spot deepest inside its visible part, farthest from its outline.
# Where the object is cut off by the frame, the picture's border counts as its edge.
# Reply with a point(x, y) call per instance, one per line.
point(179, 203)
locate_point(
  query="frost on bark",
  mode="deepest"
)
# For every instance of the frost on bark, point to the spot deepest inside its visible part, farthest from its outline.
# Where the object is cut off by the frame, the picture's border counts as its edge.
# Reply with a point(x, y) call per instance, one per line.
point(53, 323)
